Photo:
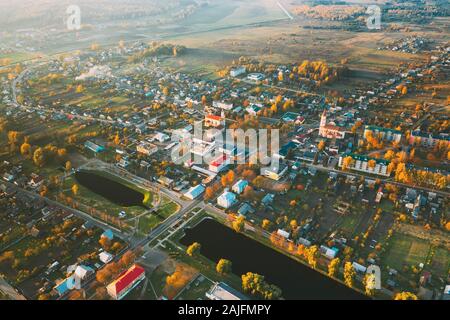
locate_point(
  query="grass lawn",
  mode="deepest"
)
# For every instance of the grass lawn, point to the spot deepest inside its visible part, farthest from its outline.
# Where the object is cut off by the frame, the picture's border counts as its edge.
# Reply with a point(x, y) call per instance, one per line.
point(349, 223)
point(151, 220)
point(441, 262)
point(197, 289)
point(405, 249)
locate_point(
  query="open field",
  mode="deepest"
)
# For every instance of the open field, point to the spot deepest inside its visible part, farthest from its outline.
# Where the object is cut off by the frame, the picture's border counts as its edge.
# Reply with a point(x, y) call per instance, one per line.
point(406, 250)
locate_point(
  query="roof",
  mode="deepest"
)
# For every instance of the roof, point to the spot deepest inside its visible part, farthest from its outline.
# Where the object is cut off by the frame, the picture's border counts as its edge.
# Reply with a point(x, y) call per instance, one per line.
point(228, 196)
point(195, 191)
point(222, 291)
point(240, 184)
point(219, 161)
point(108, 234)
point(213, 117)
point(382, 129)
point(365, 158)
point(127, 278)
point(81, 271)
point(441, 136)
point(105, 257)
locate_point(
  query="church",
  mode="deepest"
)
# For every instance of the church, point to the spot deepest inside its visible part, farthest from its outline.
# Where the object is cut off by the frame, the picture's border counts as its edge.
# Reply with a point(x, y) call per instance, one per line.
point(330, 131)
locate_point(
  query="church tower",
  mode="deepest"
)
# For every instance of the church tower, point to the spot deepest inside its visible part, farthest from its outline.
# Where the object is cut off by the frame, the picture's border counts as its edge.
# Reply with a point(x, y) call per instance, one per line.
point(323, 119)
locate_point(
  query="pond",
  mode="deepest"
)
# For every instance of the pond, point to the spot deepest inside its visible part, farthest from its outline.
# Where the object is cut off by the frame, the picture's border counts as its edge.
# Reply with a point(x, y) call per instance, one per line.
point(296, 280)
point(113, 191)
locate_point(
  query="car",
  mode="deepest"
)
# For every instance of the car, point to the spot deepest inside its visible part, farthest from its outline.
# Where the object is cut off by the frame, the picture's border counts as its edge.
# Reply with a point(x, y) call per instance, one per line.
point(122, 214)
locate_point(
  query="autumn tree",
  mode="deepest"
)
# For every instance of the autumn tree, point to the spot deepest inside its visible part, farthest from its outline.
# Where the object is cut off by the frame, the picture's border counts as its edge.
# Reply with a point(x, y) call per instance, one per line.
point(321, 145)
point(75, 189)
point(347, 162)
point(194, 249)
point(238, 224)
point(256, 285)
point(333, 267)
point(349, 274)
point(39, 157)
point(68, 166)
point(223, 266)
point(266, 224)
point(405, 296)
point(25, 150)
point(311, 255)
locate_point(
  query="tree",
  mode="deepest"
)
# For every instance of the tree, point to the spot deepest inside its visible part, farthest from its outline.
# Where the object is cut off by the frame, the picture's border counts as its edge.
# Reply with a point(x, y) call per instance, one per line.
point(209, 193)
point(266, 224)
point(333, 267)
point(349, 274)
point(256, 285)
point(371, 164)
point(194, 249)
point(405, 296)
point(104, 242)
point(321, 145)
point(39, 157)
point(127, 259)
point(100, 293)
point(103, 276)
point(68, 166)
point(117, 139)
point(25, 150)
point(238, 224)
point(223, 266)
point(311, 254)
point(230, 177)
point(62, 153)
point(75, 189)
point(347, 162)
point(79, 88)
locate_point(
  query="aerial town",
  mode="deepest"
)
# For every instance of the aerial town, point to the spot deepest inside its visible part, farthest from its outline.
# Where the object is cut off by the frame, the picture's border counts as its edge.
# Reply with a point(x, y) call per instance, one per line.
point(132, 148)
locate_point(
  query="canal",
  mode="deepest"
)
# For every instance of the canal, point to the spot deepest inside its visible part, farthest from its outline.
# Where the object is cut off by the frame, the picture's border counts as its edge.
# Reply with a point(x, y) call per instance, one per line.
point(113, 191)
point(296, 280)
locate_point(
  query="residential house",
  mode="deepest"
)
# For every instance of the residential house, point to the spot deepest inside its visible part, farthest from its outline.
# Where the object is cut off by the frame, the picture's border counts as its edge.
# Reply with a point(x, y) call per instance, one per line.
point(146, 148)
point(275, 172)
point(239, 186)
point(226, 199)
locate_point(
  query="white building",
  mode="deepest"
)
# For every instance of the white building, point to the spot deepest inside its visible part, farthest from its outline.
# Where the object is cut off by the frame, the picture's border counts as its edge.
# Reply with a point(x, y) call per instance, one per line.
point(240, 186)
point(366, 164)
point(195, 192)
point(226, 199)
point(255, 77)
point(161, 137)
point(275, 172)
point(219, 164)
point(146, 148)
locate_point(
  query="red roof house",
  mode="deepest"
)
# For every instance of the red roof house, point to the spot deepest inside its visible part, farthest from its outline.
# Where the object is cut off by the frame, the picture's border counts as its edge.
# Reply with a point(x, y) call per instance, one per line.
point(126, 282)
